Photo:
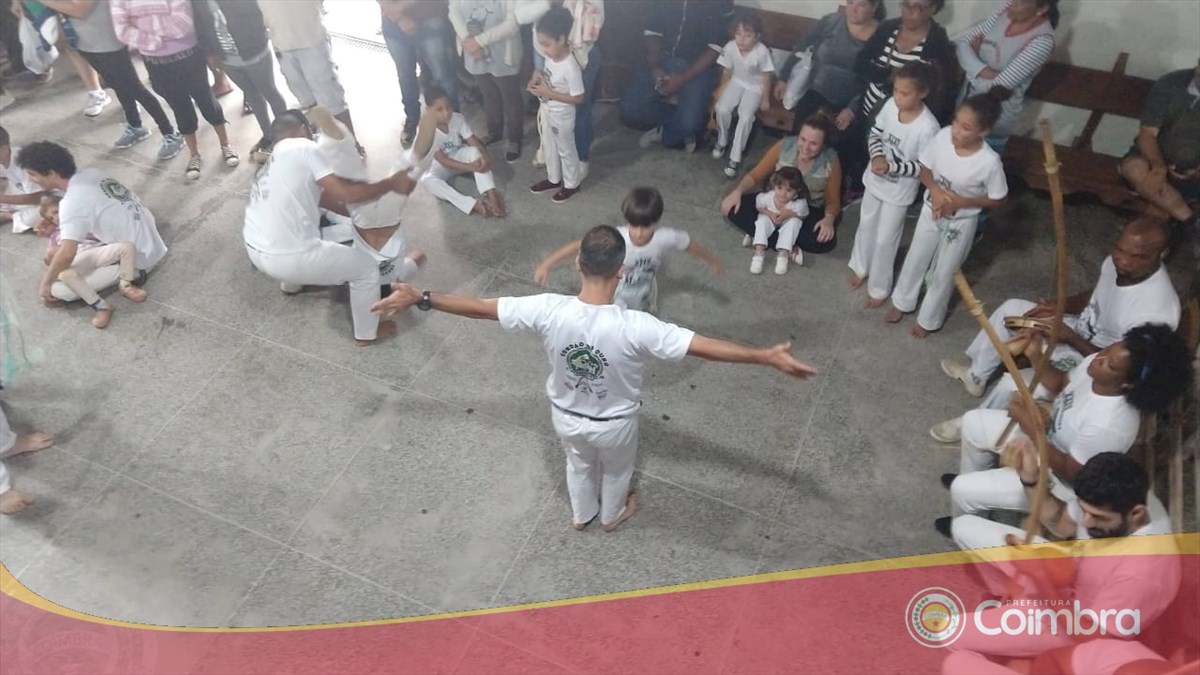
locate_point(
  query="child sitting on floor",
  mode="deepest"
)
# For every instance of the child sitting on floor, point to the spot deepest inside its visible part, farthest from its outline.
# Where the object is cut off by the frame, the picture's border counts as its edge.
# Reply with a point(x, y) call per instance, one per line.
point(781, 208)
point(458, 150)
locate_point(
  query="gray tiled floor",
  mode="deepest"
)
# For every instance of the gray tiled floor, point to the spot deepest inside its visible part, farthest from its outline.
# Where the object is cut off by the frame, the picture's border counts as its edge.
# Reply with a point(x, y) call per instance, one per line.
point(227, 456)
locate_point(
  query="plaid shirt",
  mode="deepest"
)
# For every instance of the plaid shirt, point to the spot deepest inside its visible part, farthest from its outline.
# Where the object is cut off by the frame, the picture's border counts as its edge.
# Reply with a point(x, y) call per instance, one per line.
point(154, 27)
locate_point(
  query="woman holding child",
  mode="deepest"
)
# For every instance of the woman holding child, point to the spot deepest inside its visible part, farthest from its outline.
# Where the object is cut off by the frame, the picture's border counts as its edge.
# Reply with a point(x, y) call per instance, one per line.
point(818, 163)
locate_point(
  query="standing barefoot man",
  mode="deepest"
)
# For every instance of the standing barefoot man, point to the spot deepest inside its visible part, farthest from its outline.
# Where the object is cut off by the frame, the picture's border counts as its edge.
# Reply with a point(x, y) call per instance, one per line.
point(597, 356)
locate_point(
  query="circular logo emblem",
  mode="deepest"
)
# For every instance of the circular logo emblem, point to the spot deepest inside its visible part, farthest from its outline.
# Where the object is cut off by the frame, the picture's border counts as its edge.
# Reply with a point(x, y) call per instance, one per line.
point(114, 190)
point(583, 362)
point(934, 617)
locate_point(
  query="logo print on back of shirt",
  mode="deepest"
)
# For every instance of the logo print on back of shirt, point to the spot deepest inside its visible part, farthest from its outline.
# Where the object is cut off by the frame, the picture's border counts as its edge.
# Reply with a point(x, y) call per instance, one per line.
point(114, 190)
point(584, 363)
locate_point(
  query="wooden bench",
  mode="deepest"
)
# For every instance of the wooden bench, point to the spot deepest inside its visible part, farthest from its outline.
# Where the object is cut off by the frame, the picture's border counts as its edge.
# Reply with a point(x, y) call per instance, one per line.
point(1083, 169)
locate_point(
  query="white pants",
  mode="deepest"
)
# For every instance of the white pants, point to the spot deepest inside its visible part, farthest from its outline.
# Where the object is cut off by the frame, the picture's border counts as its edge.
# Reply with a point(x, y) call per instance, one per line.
point(937, 250)
point(437, 178)
point(788, 231)
point(981, 486)
point(329, 264)
point(8, 438)
point(600, 459)
point(557, 128)
point(745, 99)
point(984, 359)
point(880, 226)
point(24, 218)
point(391, 260)
point(96, 279)
point(642, 298)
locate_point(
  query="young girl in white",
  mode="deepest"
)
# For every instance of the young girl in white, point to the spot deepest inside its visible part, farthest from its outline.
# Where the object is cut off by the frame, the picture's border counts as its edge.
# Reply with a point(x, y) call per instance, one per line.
point(782, 208)
point(646, 244)
point(457, 150)
point(747, 87)
point(962, 175)
point(560, 87)
point(903, 127)
point(91, 255)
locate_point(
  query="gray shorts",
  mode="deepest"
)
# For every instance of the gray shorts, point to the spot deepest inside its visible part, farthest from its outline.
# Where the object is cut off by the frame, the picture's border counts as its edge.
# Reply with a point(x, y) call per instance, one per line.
point(311, 74)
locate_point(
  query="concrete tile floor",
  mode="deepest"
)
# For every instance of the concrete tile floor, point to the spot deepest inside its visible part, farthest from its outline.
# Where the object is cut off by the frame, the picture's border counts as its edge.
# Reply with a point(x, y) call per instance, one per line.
point(226, 456)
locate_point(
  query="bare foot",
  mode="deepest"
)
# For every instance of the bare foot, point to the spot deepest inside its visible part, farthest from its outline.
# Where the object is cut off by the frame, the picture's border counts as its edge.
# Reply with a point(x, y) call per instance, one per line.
point(872, 303)
point(918, 332)
point(893, 316)
point(496, 204)
point(854, 281)
point(13, 502)
point(31, 442)
point(481, 209)
point(626, 513)
point(387, 328)
point(418, 257)
point(579, 527)
point(103, 316)
point(134, 293)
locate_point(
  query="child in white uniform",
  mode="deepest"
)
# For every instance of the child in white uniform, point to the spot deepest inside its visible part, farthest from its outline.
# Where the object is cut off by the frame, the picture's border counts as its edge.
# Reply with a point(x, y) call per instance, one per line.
point(962, 175)
point(458, 150)
point(902, 129)
point(782, 208)
point(745, 87)
point(18, 195)
point(560, 87)
point(646, 245)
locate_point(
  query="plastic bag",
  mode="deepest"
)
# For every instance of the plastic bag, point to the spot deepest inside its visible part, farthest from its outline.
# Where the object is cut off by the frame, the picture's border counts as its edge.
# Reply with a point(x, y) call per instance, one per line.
point(798, 82)
point(37, 48)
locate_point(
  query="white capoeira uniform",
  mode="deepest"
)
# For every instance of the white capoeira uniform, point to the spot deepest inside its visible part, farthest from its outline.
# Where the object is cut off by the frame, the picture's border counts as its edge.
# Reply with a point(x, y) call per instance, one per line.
point(638, 288)
point(1082, 424)
point(597, 357)
point(939, 247)
point(453, 142)
point(8, 438)
point(788, 231)
point(98, 212)
point(557, 125)
point(17, 182)
point(886, 198)
point(1112, 311)
point(1104, 579)
point(282, 235)
point(743, 92)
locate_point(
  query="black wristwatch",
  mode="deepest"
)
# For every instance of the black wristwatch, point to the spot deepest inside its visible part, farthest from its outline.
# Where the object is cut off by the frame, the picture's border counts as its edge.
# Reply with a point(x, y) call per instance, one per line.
point(425, 303)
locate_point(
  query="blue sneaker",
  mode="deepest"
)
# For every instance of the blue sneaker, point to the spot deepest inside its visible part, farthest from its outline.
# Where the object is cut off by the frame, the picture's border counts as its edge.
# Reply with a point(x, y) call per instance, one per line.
point(171, 145)
point(131, 137)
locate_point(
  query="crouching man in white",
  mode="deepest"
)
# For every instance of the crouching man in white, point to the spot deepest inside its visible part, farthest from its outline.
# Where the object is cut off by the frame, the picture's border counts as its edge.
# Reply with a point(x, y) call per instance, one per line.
point(282, 228)
point(104, 214)
point(597, 355)
point(1133, 579)
point(1097, 409)
point(1134, 288)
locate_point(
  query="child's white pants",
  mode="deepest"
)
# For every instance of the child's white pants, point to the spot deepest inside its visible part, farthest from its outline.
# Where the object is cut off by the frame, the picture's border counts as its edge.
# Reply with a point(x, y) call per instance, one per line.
point(788, 231)
point(745, 99)
point(437, 178)
point(557, 129)
point(880, 227)
point(937, 251)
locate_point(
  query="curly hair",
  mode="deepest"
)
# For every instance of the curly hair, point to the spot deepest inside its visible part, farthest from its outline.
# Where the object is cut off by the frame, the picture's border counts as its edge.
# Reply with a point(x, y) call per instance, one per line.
point(43, 157)
point(1111, 480)
point(1160, 368)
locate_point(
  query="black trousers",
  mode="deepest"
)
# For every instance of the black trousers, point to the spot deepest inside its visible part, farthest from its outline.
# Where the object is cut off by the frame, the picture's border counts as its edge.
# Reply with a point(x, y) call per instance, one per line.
point(117, 71)
point(181, 82)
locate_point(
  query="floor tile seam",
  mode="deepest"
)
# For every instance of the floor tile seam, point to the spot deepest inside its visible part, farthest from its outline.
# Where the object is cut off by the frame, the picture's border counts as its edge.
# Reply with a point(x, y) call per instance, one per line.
point(333, 364)
point(486, 415)
point(48, 543)
point(456, 324)
point(696, 491)
point(546, 502)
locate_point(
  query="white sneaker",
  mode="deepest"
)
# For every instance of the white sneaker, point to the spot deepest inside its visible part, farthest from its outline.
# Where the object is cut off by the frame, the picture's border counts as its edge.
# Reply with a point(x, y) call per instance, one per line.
point(583, 170)
point(949, 431)
point(650, 138)
point(756, 264)
point(781, 262)
point(718, 151)
point(95, 102)
point(962, 372)
point(797, 256)
point(731, 169)
point(290, 289)
point(746, 241)
point(689, 145)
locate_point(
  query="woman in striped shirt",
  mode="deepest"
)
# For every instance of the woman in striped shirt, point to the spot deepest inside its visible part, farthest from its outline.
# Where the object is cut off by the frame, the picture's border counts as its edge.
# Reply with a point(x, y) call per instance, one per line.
point(1008, 49)
point(915, 36)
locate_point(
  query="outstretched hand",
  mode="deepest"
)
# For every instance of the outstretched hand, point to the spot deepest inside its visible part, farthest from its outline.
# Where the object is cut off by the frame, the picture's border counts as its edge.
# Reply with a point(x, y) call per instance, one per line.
point(780, 358)
point(402, 297)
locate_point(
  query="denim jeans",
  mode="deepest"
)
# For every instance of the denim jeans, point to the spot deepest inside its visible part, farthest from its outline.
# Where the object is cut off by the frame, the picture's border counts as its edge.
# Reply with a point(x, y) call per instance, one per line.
point(642, 107)
point(432, 47)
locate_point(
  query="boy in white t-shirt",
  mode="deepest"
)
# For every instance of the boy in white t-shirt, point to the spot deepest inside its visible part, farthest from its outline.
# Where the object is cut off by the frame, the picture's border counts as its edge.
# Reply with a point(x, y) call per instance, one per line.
point(646, 244)
point(19, 196)
point(458, 150)
point(598, 354)
point(781, 208)
point(560, 87)
point(745, 86)
point(962, 176)
point(903, 127)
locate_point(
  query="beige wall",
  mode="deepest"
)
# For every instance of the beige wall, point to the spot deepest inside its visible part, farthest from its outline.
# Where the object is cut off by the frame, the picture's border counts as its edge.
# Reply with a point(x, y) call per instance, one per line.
point(1159, 35)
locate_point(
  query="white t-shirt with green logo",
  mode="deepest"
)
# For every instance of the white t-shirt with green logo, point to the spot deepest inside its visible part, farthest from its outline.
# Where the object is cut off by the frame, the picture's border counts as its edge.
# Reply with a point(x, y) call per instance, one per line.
point(104, 208)
point(1085, 424)
point(597, 352)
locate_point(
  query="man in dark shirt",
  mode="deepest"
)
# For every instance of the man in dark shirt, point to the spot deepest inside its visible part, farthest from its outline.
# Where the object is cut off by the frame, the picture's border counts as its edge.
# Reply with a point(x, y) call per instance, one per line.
point(419, 31)
point(683, 40)
point(1164, 163)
